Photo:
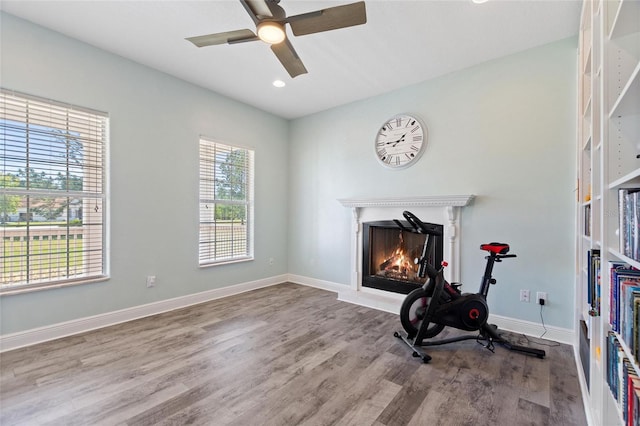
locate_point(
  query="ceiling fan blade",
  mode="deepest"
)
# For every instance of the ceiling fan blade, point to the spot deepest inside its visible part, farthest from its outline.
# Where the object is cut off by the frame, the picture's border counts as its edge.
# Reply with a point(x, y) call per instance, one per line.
point(289, 58)
point(230, 37)
point(257, 9)
point(332, 18)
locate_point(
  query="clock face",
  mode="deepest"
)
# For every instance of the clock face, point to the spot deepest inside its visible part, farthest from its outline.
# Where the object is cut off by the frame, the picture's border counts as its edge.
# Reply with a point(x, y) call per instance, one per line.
point(400, 141)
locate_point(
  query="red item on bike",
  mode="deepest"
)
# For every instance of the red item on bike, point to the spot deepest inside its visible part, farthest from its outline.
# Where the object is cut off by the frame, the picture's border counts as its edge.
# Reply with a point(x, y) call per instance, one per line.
point(497, 248)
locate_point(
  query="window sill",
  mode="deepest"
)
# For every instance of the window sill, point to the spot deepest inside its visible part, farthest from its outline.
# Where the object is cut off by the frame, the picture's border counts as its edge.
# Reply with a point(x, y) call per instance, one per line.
point(226, 262)
point(29, 288)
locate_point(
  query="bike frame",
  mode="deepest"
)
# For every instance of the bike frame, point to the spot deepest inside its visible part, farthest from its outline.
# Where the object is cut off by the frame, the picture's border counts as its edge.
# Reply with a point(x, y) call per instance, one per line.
point(487, 332)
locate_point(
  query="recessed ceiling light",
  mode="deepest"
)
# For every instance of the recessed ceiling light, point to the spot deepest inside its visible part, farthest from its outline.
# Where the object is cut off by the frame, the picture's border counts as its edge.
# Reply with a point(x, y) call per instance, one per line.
point(479, 1)
point(279, 83)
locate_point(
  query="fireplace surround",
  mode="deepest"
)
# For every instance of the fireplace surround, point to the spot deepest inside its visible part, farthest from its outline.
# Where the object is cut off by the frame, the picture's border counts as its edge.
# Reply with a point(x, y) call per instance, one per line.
point(444, 209)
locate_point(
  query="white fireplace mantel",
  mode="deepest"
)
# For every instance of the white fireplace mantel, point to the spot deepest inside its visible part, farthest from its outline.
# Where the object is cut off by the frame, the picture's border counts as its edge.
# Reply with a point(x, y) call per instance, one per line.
point(444, 209)
point(424, 201)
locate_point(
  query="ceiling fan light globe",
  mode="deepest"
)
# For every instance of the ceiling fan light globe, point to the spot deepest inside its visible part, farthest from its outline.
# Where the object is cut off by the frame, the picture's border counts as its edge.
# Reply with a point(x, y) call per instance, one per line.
point(271, 32)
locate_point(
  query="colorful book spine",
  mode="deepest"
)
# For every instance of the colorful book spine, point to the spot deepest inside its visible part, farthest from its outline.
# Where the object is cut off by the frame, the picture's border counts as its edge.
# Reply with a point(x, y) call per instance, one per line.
point(614, 268)
point(593, 280)
point(635, 327)
point(629, 291)
point(619, 273)
point(629, 222)
point(623, 380)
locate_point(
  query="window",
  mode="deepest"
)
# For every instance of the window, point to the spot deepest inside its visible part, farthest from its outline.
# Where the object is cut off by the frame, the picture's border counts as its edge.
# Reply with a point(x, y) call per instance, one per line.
point(52, 193)
point(226, 203)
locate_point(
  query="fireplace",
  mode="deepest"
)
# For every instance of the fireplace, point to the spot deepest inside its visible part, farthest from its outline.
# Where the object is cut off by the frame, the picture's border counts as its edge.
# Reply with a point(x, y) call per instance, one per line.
point(445, 209)
point(389, 253)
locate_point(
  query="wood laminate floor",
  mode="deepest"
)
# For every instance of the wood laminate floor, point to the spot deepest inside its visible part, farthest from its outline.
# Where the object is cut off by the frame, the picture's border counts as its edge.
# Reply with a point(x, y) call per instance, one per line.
point(283, 355)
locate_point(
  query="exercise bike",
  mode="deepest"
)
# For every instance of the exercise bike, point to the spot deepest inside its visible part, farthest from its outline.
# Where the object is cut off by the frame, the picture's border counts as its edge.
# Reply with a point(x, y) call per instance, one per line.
point(426, 311)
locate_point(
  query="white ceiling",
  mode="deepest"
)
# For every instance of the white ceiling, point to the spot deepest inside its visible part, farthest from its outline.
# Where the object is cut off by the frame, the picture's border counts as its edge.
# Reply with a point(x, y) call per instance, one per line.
point(402, 43)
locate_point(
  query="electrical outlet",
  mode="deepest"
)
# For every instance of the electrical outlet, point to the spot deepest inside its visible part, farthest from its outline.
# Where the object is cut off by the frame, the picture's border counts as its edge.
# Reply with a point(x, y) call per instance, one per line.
point(151, 281)
point(541, 295)
point(524, 296)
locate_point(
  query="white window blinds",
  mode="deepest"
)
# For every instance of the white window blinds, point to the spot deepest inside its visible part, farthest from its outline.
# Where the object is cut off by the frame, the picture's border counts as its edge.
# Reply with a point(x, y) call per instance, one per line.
point(226, 203)
point(52, 192)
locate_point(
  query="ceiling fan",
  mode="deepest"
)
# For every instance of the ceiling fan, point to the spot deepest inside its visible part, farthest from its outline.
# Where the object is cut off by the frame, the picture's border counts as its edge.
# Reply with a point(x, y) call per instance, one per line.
point(270, 20)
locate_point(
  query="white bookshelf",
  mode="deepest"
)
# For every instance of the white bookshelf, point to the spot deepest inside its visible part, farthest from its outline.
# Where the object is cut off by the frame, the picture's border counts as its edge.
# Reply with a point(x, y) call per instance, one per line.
point(608, 149)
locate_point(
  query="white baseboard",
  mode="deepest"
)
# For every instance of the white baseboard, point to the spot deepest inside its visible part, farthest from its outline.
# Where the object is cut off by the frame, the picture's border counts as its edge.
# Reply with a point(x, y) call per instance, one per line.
point(81, 325)
point(389, 302)
point(534, 329)
point(313, 282)
point(370, 298)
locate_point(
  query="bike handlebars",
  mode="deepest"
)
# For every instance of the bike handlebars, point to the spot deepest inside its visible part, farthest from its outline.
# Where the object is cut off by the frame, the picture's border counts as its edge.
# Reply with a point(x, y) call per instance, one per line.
point(419, 226)
point(499, 257)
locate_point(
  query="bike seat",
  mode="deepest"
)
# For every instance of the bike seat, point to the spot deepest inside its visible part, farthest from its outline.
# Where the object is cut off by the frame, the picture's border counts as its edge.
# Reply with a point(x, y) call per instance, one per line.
point(497, 248)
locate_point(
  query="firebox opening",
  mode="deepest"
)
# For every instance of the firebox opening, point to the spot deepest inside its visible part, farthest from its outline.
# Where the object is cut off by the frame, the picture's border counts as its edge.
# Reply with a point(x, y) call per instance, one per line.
point(389, 254)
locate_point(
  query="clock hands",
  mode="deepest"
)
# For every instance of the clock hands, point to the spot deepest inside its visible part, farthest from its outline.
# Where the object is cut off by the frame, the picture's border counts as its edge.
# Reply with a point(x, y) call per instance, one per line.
point(396, 142)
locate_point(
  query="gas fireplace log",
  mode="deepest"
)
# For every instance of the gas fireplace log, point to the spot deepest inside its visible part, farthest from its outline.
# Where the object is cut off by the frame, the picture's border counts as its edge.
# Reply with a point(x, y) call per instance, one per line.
point(385, 264)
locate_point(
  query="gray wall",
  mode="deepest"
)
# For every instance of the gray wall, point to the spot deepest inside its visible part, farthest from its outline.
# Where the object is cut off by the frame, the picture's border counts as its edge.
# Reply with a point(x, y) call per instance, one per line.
point(156, 121)
point(503, 130)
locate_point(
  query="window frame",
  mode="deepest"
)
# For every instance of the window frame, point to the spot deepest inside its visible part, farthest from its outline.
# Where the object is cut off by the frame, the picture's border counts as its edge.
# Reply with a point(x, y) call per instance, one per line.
point(28, 110)
point(203, 197)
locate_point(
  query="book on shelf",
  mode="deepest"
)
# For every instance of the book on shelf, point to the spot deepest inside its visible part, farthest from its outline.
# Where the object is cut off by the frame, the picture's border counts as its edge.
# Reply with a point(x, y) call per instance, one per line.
point(629, 222)
point(636, 328)
point(619, 272)
point(623, 381)
point(630, 382)
point(615, 357)
point(587, 220)
point(629, 292)
point(593, 282)
point(636, 408)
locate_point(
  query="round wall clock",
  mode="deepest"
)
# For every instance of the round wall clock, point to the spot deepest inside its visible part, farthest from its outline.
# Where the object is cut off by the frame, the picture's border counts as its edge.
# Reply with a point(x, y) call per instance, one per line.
point(400, 141)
